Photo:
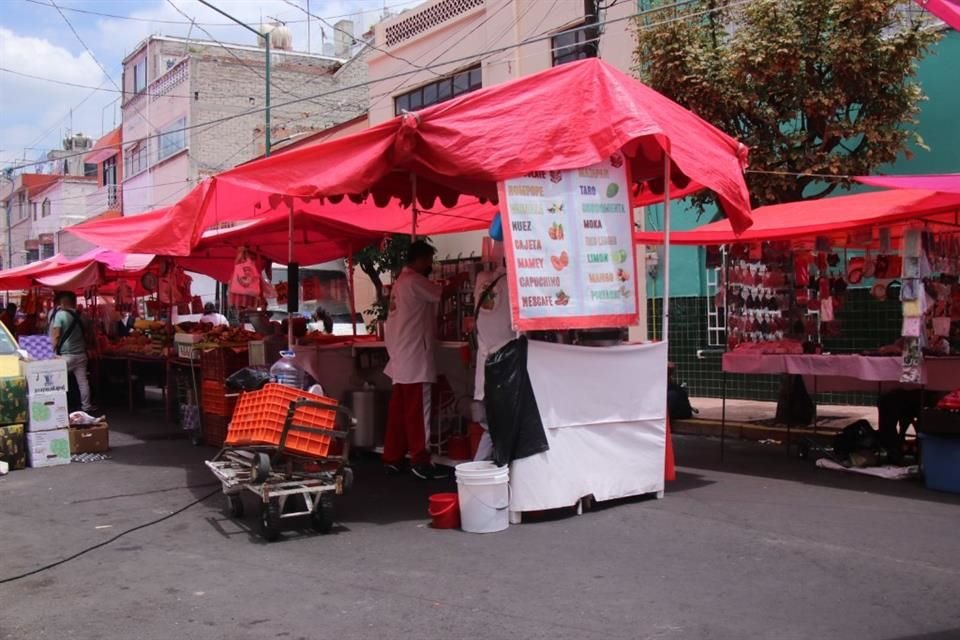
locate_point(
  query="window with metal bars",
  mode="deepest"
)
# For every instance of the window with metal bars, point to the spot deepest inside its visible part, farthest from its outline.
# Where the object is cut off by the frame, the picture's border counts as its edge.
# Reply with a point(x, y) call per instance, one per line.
point(440, 90)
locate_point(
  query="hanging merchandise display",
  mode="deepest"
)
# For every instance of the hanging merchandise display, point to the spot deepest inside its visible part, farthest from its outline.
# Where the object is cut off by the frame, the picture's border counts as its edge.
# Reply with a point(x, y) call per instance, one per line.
point(245, 282)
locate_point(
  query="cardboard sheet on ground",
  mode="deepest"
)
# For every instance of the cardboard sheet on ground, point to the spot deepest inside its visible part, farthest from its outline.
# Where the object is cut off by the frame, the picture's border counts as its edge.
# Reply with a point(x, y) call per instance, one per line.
point(604, 412)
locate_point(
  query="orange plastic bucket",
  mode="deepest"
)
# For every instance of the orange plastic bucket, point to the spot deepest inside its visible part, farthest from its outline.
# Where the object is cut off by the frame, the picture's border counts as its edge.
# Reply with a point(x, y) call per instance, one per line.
point(445, 510)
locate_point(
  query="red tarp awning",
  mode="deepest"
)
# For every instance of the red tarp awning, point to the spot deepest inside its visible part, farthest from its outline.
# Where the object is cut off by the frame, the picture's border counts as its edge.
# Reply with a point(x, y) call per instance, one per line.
point(827, 217)
point(94, 267)
point(946, 10)
point(567, 117)
point(945, 182)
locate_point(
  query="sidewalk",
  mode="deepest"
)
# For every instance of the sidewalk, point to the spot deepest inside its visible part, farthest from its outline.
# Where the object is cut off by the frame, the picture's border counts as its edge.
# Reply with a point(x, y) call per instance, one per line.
point(754, 420)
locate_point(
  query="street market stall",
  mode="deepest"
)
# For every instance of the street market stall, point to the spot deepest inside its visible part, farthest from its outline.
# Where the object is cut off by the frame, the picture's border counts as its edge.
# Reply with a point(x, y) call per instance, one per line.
point(785, 281)
point(582, 143)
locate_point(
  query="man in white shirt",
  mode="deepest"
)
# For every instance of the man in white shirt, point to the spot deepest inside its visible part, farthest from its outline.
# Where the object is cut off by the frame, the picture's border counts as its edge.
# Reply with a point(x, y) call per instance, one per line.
point(210, 316)
point(410, 334)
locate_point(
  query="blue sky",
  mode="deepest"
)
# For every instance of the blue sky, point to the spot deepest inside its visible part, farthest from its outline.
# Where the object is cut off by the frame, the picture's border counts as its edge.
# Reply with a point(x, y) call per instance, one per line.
point(36, 40)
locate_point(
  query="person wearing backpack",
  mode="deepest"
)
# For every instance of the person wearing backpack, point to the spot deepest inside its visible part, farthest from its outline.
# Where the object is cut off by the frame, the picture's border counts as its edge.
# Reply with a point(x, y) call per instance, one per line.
point(70, 337)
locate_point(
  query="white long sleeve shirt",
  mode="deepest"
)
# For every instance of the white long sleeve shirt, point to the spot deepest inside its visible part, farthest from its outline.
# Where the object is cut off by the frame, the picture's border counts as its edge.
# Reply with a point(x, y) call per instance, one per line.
point(410, 332)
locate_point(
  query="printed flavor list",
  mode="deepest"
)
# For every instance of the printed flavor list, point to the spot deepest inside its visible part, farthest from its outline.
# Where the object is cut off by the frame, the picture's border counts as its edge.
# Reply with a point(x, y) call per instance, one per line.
point(569, 236)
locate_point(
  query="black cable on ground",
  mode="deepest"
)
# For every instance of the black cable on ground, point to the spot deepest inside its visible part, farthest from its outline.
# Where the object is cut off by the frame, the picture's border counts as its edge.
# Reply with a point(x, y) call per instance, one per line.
point(106, 542)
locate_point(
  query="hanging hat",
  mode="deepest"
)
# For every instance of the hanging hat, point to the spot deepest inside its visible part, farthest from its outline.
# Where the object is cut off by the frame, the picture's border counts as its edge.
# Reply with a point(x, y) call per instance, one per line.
point(496, 228)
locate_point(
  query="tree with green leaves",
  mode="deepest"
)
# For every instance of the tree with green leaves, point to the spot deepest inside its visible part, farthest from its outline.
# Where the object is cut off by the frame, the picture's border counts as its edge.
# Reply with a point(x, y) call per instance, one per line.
point(813, 87)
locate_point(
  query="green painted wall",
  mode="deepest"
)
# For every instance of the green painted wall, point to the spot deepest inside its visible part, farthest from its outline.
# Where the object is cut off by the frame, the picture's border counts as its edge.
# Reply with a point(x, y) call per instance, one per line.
point(939, 74)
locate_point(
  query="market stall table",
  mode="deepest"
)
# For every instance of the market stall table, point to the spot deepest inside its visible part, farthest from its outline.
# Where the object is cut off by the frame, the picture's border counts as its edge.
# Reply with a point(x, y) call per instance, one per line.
point(840, 372)
point(604, 415)
point(139, 363)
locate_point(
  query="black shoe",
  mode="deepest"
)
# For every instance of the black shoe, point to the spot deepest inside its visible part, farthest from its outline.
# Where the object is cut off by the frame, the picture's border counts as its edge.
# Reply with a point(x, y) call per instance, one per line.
point(428, 472)
point(394, 469)
point(93, 411)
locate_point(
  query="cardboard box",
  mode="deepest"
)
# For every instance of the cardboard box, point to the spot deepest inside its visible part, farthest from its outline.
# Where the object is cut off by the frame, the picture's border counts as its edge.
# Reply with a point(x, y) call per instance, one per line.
point(45, 376)
point(10, 366)
point(48, 411)
point(95, 439)
point(48, 448)
point(13, 446)
point(13, 400)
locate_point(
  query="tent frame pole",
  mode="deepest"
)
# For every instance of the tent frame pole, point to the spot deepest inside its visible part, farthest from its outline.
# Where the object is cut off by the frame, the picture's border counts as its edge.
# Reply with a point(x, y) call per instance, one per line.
point(353, 295)
point(665, 303)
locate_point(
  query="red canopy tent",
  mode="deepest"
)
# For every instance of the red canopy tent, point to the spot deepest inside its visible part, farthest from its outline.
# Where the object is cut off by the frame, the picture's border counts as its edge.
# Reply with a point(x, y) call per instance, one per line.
point(945, 183)
point(568, 117)
point(22, 277)
point(834, 217)
point(59, 272)
point(946, 10)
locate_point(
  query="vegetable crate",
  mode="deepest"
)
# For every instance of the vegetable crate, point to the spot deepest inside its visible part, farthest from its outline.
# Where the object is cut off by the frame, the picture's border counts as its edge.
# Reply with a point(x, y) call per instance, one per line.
point(215, 400)
point(217, 364)
point(214, 429)
point(260, 417)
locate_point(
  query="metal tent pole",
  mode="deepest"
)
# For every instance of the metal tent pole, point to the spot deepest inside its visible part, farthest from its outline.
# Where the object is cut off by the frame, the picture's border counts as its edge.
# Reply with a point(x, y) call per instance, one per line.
point(665, 320)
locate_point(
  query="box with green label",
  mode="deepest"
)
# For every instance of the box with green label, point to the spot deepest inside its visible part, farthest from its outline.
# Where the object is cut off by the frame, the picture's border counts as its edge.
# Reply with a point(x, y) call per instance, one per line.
point(48, 411)
point(13, 400)
point(13, 446)
point(48, 448)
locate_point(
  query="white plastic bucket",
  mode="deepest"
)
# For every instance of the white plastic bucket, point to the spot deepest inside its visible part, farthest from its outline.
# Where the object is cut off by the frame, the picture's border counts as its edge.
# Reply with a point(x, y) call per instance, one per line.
point(484, 495)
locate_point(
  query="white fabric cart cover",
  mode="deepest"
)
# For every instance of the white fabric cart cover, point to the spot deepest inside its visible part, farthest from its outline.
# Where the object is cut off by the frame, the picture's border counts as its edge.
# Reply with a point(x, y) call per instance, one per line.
point(604, 413)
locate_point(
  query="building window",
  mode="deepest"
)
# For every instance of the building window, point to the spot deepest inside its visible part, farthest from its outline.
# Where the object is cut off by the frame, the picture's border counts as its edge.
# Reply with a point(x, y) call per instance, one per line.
point(573, 45)
point(46, 208)
point(33, 255)
point(440, 91)
point(46, 251)
point(34, 207)
point(135, 158)
point(89, 170)
point(172, 138)
point(110, 182)
point(140, 76)
point(21, 205)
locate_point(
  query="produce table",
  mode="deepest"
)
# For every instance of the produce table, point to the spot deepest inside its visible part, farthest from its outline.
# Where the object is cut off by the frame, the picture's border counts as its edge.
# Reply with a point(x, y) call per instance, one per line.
point(139, 363)
point(604, 413)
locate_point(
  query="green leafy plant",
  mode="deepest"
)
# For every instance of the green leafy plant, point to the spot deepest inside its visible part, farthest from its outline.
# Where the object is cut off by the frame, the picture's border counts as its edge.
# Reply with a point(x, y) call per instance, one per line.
point(375, 260)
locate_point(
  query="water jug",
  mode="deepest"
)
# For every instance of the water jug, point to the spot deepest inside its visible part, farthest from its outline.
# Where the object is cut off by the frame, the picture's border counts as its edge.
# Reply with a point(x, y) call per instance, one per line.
point(284, 371)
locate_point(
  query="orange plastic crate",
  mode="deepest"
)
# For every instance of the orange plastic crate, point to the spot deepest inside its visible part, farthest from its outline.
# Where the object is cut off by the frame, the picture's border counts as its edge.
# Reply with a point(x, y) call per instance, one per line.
point(214, 399)
point(260, 416)
point(214, 429)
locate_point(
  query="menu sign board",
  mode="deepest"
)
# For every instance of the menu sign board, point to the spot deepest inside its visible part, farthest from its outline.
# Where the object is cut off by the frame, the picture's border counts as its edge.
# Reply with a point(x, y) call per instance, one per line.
point(570, 251)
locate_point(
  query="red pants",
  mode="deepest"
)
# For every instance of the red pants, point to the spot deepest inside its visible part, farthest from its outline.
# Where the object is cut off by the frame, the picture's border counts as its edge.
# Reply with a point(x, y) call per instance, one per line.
point(408, 423)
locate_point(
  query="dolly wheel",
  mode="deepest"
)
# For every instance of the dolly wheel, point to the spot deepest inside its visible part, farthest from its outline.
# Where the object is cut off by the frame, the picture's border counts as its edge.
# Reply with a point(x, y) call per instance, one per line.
point(260, 470)
point(322, 517)
point(235, 506)
point(270, 521)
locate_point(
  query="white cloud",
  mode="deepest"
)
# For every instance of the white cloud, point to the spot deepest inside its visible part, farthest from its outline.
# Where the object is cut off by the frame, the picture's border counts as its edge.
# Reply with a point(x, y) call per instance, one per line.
point(30, 107)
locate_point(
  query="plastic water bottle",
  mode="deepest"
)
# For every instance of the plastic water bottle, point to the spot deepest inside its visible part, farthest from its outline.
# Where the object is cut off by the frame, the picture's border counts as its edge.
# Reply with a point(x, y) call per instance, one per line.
point(285, 372)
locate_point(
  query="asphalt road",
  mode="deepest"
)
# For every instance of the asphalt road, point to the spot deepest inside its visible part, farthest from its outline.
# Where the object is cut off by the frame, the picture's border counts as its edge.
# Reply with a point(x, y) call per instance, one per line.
point(760, 546)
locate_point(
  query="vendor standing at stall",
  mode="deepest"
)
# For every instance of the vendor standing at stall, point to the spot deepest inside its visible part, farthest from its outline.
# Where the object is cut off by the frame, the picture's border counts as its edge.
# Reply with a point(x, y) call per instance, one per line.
point(410, 334)
point(493, 330)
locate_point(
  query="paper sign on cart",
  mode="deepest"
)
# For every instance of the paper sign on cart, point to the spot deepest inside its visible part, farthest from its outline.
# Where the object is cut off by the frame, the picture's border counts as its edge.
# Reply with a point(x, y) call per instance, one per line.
point(570, 250)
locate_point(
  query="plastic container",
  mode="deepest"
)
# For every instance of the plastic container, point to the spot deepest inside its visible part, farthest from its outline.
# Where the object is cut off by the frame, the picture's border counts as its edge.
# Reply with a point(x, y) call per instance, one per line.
point(220, 362)
point(214, 429)
point(940, 457)
point(260, 416)
point(285, 372)
point(445, 511)
point(214, 399)
point(484, 494)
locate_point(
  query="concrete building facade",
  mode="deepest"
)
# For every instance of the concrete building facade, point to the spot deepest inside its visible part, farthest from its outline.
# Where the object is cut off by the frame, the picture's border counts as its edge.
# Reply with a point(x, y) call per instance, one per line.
point(172, 86)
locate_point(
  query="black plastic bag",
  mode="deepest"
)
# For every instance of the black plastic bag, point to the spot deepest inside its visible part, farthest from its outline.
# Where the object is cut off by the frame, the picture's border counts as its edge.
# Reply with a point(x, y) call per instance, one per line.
point(858, 436)
point(678, 402)
point(247, 380)
point(512, 413)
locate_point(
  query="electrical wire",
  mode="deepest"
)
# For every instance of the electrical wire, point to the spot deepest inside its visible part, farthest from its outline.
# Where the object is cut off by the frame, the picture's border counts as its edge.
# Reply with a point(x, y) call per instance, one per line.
point(406, 74)
point(351, 36)
point(84, 44)
point(99, 545)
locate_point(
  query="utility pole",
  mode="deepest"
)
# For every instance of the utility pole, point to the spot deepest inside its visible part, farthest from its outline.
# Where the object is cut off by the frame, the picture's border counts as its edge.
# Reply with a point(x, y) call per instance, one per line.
point(266, 42)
